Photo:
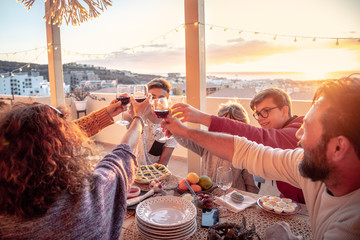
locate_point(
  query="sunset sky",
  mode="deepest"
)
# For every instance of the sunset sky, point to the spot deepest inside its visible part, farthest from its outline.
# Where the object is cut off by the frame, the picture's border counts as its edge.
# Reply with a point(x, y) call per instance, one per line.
point(146, 36)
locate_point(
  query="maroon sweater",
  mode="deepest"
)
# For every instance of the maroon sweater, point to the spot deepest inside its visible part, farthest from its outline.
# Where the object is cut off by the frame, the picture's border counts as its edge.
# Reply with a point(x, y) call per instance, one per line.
point(283, 138)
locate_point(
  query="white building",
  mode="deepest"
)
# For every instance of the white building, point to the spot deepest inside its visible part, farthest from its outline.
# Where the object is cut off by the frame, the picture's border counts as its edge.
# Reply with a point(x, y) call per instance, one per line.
point(24, 85)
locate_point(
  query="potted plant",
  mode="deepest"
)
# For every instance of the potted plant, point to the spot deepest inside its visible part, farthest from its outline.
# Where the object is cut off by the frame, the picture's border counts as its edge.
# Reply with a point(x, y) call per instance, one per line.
point(80, 93)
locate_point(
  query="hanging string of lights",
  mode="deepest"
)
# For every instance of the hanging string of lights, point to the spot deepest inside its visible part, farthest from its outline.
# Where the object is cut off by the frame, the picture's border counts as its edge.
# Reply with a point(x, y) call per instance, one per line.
point(20, 69)
point(276, 35)
point(164, 36)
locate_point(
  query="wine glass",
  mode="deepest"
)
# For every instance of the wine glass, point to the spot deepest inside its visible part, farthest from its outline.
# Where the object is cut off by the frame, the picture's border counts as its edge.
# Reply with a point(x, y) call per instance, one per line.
point(224, 181)
point(161, 110)
point(140, 93)
point(123, 94)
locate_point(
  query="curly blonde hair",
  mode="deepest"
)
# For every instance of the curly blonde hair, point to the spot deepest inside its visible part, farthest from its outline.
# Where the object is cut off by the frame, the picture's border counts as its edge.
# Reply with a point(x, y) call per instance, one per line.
point(41, 157)
point(234, 111)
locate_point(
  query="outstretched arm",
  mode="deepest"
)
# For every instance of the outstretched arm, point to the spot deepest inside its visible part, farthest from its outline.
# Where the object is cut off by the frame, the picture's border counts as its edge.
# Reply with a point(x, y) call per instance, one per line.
point(219, 144)
point(187, 113)
point(100, 119)
point(131, 136)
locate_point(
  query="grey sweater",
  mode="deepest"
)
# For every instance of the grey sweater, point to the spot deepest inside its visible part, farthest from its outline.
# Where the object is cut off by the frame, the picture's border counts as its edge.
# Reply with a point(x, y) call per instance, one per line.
point(95, 214)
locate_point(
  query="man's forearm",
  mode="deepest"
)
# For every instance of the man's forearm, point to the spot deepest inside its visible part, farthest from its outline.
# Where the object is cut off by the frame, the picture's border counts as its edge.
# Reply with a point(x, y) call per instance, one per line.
point(219, 144)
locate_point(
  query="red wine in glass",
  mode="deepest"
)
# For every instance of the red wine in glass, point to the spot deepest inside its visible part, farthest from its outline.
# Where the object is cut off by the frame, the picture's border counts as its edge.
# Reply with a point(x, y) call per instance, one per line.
point(162, 113)
point(140, 99)
point(124, 100)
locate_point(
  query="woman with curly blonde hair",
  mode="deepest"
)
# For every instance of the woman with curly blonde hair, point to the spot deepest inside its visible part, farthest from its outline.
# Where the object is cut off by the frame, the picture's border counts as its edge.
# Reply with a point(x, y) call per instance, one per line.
point(242, 179)
point(49, 189)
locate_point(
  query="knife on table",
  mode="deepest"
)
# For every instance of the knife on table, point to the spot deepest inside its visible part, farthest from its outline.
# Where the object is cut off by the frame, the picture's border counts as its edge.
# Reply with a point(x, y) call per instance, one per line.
point(133, 201)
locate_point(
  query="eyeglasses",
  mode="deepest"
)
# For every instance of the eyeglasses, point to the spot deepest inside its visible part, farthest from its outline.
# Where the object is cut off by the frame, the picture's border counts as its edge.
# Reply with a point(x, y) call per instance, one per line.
point(264, 113)
point(56, 110)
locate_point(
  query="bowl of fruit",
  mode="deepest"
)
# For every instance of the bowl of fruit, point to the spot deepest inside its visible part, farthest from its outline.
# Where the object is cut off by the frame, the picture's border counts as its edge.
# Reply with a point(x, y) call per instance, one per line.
point(196, 182)
point(204, 200)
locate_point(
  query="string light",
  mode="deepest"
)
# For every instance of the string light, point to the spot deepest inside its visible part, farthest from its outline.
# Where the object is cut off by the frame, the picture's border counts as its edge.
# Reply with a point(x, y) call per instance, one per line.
point(282, 35)
point(164, 36)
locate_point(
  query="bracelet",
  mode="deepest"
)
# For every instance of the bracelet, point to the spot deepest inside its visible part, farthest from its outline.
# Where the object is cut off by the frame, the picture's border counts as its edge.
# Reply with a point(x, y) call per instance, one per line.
point(141, 121)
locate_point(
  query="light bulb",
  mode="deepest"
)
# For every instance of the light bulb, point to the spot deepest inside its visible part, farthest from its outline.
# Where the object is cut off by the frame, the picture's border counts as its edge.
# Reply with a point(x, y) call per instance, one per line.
point(211, 27)
point(295, 40)
point(314, 39)
point(20, 69)
point(196, 23)
point(225, 29)
point(337, 42)
point(275, 37)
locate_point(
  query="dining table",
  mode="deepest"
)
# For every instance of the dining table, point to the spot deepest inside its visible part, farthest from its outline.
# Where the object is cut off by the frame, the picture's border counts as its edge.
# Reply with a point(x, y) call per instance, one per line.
point(254, 215)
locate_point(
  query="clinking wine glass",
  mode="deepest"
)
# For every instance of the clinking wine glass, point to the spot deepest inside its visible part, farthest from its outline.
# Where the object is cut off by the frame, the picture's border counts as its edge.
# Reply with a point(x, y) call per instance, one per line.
point(140, 93)
point(224, 181)
point(161, 110)
point(123, 94)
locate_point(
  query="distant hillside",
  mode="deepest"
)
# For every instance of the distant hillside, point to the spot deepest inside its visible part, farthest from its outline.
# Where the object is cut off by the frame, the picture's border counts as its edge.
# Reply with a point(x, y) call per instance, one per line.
point(104, 74)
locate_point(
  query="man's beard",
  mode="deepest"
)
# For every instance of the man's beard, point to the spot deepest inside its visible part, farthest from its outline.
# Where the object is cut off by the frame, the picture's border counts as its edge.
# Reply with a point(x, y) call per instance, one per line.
point(314, 164)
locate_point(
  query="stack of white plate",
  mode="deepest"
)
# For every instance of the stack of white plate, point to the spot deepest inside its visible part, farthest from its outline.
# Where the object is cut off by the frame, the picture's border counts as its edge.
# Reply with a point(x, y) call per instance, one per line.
point(166, 217)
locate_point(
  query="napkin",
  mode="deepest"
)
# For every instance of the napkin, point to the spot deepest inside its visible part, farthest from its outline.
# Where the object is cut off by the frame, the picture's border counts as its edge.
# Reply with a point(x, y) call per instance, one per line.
point(233, 206)
point(136, 200)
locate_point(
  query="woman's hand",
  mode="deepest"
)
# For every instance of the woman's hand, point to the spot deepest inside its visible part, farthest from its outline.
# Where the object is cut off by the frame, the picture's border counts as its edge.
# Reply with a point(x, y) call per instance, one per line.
point(115, 107)
point(140, 109)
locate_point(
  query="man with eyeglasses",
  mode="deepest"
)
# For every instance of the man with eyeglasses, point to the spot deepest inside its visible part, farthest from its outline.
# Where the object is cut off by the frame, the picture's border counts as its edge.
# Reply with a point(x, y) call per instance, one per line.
point(326, 166)
point(272, 109)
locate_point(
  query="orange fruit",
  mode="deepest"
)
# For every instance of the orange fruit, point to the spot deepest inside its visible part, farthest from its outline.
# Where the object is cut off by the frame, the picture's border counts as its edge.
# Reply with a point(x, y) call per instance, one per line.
point(182, 184)
point(193, 177)
point(196, 187)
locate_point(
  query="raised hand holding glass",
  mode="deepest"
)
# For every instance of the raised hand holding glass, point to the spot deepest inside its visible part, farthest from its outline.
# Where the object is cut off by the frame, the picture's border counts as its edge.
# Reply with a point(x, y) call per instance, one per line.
point(123, 94)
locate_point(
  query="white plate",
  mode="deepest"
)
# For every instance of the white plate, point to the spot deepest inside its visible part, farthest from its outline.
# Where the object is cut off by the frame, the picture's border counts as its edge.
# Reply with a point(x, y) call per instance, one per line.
point(151, 228)
point(152, 236)
point(165, 211)
point(297, 209)
point(165, 228)
point(165, 233)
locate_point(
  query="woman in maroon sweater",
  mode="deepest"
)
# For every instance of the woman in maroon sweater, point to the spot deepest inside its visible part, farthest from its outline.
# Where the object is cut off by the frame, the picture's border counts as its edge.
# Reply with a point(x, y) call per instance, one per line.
point(272, 109)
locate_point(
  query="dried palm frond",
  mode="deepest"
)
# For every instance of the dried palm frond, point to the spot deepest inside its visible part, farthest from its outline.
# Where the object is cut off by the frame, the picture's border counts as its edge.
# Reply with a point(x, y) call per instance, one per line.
point(72, 11)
